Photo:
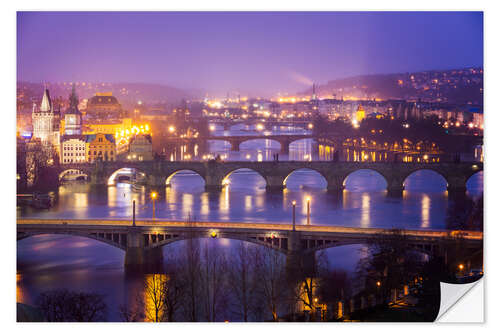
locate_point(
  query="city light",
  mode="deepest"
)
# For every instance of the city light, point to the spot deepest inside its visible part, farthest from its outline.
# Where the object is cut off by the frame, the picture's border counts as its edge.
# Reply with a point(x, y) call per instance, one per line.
point(310, 126)
point(171, 129)
point(212, 127)
point(154, 195)
point(260, 127)
point(213, 234)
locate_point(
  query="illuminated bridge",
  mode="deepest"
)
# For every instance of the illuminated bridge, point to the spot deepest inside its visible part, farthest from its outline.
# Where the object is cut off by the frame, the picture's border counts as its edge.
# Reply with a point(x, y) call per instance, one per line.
point(215, 174)
point(143, 240)
point(235, 140)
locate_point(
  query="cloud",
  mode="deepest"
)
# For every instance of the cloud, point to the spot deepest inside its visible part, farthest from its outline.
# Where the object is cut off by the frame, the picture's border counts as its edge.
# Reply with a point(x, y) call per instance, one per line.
point(300, 78)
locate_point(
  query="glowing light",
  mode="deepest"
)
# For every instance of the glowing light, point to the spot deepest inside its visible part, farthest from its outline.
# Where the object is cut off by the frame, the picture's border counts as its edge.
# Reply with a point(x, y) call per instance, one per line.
point(226, 182)
point(379, 284)
point(310, 126)
point(248, 156)
point(213, 234)
point(294, 202)
point(260, 127)
point(457, 124)
point(426, 157)
point(212, 127)
point(471, 125)
point(154, 195)
point(461, 266)
point(171, 129)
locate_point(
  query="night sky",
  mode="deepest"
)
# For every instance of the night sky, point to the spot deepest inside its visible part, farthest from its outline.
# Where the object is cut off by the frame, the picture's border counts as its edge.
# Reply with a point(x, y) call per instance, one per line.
point(250, 53)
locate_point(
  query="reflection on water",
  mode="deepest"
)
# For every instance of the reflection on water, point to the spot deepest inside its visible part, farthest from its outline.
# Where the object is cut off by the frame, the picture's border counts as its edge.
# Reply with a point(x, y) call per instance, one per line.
point(47, 262)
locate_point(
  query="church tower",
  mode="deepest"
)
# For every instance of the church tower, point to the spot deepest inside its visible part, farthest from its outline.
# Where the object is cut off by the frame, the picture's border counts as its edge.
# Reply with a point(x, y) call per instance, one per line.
point(72, 116)
point(46, 121)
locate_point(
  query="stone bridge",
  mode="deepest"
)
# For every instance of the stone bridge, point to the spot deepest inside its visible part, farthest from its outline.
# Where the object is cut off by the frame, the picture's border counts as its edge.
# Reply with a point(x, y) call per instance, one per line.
point(215, 174)
point(236, 140)
point(143, 240)
point(266, 122)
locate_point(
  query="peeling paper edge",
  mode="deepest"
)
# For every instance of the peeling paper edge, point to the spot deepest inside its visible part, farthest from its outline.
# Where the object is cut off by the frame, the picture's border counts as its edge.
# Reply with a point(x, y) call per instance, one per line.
point(462, 303)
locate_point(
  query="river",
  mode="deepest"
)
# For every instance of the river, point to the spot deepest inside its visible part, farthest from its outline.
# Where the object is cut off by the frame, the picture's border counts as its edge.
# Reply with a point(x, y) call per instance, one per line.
point(47, 262)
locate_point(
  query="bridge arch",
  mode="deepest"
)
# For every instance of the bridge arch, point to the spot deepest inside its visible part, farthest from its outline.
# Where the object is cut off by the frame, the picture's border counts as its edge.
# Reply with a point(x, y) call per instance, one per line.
point(223, 140)
point(475, 183)
point(324, 180)
point(75, 173)
point(274, 243)
point(367, 174)
point(172, 174)
point(118, 242)
point(411, 180)
point(262, 138)
point(225, 179)
point(113, 178)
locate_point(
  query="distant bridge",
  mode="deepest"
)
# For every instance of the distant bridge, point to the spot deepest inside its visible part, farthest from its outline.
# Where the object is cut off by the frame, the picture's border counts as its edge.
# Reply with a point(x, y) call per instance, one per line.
point(266, 122)
point(236, 140)
point(142, 242)
point(275, 174)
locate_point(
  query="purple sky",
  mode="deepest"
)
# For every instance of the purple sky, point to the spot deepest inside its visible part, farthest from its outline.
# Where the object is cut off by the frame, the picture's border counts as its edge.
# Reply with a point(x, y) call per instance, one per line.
point(250, 53)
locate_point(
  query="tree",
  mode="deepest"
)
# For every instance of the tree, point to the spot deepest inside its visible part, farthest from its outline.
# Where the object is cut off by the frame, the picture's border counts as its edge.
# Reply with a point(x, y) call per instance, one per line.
point(154, 294)
point(242, 280)
point(190, 273)
point(67, 306)
point(272, 282)
point(213, 277)
point(388, 264)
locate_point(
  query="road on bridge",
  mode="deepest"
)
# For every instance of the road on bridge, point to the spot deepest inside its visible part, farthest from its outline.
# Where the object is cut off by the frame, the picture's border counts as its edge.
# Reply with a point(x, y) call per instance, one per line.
point(470, 235)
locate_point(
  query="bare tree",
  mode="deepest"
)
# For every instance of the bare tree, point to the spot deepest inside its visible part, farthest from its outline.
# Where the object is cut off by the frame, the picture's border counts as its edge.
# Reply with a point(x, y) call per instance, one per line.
point(388, 264)
point(154, 294)
point(272, 284)
point(242, 279)
point(63, 305)
point(191, 274)
point(213, 277)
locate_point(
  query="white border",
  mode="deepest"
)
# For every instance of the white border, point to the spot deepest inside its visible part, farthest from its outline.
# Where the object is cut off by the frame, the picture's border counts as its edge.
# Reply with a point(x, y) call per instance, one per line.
point(8, 63)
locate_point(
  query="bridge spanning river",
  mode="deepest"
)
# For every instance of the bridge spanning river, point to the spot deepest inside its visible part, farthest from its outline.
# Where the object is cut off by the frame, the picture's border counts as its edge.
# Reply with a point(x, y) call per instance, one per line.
point(142, 240)
point(215, 174)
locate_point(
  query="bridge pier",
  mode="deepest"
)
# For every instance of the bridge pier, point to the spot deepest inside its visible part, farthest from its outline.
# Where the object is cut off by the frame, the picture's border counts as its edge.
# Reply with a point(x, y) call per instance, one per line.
point(335, 185)
point(285, 148)
point(235, 145)
point(299, 264)
point(156, 181)
point(274, 183)
point(139, 259)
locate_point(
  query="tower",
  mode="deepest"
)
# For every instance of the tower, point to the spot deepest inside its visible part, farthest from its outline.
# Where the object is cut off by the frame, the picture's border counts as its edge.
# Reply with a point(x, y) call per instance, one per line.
point(72, 116)
point(46, 121)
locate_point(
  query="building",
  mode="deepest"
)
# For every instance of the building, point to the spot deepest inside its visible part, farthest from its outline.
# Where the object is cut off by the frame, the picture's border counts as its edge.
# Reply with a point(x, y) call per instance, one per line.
point(100, 146)
point(104, 105)
point(73, 149)
point(72, 116)
point(141, 148)
point(360, 114)
point(107, 126)
point(45, 121)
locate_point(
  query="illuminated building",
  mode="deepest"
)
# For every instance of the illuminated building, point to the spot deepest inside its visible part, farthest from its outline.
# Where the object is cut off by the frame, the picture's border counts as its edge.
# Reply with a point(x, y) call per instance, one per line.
point(107, 126)
point(104, 105)
point(360, 114)
point(45, 122)
point(72, 116)
point(100, 147)
point(140, 148)
point(73, 149)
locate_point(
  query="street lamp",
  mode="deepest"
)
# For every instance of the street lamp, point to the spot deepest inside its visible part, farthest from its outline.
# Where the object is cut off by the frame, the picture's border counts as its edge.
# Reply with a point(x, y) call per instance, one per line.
point(153, 197)
point(293, 213)
point(308, 210)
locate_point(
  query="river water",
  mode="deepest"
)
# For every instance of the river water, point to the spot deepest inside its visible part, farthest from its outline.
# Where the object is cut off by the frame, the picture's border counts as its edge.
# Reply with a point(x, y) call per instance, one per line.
point(47, 262)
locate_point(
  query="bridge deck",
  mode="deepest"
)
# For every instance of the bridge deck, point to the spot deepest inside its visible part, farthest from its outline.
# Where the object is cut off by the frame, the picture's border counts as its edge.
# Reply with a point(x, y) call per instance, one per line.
point(366, 232)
